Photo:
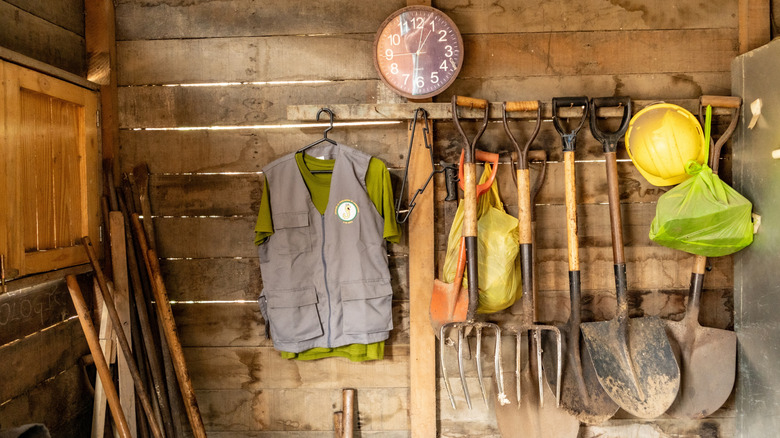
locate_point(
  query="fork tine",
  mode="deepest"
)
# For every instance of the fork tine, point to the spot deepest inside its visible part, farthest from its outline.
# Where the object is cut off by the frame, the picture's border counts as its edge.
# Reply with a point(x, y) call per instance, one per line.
point(518, 359)
point(539, 371)
point(479, 364)
point(460, 366)
point(443, 366)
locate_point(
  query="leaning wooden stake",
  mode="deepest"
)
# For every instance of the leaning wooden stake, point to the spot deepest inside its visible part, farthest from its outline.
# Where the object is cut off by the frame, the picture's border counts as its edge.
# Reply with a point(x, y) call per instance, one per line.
point(169, 325)
point(143, 396)
point(348, 404)
point(97, 355)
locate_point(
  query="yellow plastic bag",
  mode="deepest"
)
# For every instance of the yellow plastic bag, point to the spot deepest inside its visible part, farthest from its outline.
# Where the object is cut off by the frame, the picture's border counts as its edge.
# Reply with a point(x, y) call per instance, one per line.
point(497, 250)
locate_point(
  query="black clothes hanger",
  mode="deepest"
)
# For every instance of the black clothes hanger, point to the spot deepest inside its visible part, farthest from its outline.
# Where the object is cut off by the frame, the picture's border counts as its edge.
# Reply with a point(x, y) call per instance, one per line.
point(323, 139)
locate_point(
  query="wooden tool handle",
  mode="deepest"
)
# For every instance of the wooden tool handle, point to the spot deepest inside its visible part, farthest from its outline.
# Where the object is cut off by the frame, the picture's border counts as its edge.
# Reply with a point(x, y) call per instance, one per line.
point(469, 200)
point(165, 314)
point(97, 355)
point(699, 264)
point(471, 102)
point(571, 211)
point(526, 105)
point(721, 101)
point(524, 206)
point(615, 218)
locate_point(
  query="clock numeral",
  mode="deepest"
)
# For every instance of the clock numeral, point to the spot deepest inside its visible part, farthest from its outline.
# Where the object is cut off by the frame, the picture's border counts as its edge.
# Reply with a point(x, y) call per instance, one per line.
point(395, 39)
point(443, 37)
point(394, 68)
point(403, 27)
point(388, 54)
point(448, 52)
point(406, 78)
point(443, 65)
point(419, 81)
point(417, 22)
point(433, 27)
point(435, 77)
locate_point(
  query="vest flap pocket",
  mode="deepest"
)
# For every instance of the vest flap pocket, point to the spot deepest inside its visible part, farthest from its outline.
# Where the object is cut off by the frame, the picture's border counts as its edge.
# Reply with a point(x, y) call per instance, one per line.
point(367, 306)
point(291, 233)
point(291, 298)
point(293, 314)
point(291, 220)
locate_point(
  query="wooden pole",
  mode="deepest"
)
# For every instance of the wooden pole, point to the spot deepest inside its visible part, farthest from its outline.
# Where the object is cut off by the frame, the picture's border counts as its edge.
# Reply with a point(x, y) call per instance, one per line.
point(97, 355)
point(348, 404)
point(169, 326)
point(120, 336)
point(108, 347)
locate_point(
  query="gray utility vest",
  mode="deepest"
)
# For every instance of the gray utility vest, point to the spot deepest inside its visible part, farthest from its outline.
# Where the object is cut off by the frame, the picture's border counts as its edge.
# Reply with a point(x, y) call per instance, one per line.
point(325, 277)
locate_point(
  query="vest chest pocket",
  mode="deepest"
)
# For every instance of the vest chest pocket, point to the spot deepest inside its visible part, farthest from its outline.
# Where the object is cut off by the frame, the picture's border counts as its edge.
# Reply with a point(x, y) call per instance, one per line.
point(293, 314)
point(292, 233)
point(367, 306)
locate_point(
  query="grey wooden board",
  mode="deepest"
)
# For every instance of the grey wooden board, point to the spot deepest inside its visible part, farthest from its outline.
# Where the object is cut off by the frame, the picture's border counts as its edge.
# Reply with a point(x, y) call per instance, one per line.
point(242, 325)
point(140, 20)
point(756, 289)
point(168, 107)
point(247, 150)
point(296, 58)
point(62, 403)
point(39, 39)
point(68, 14)
point(232, 279)
point(30, 309)
point(41, 356)
point(263, 368)
point(299, 410)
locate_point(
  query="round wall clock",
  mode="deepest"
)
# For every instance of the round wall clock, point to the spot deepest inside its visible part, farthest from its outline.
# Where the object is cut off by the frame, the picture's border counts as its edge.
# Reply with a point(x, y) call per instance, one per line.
point(418, 51)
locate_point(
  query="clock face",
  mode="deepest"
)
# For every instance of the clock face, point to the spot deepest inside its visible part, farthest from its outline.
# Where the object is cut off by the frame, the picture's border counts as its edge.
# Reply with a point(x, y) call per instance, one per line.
point(418, 51)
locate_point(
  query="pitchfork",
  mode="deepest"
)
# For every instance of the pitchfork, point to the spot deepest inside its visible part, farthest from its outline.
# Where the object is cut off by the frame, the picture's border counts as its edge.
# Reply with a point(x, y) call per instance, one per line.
point(525, 196)
point(471, 191)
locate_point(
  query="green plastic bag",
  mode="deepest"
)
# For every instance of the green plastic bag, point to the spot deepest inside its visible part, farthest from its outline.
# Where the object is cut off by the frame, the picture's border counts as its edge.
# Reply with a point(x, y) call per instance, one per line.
point(497, 250)
point(703, 216)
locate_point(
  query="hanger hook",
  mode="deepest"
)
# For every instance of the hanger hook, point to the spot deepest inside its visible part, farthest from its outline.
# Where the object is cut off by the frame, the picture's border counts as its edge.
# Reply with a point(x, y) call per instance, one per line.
point(330, 113)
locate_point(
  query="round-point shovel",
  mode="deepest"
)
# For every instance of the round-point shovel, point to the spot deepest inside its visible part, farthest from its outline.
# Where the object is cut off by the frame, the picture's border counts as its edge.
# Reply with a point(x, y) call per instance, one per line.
point(527, 415)
point(708, 356)
point(582, 394)
point(633, 358)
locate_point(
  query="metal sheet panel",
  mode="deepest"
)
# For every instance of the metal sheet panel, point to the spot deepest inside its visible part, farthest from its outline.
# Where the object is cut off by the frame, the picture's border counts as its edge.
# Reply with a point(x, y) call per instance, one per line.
point(756, 287)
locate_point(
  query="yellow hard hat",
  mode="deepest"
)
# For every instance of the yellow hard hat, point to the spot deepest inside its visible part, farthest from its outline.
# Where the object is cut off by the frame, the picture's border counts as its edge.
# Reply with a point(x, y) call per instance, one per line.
point(661, 139)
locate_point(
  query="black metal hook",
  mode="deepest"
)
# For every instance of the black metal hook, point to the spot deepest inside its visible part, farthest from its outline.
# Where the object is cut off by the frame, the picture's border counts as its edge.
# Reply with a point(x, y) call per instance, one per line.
point(330, 114)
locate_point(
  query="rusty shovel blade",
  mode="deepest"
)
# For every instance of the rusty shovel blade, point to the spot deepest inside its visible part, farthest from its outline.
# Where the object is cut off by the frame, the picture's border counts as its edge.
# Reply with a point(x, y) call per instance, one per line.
point(450, 301)
point(635, 364)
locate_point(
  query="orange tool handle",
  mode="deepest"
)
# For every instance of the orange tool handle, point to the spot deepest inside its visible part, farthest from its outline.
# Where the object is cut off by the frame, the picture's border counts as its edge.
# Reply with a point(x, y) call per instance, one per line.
point(488, 157)
point(471, 102)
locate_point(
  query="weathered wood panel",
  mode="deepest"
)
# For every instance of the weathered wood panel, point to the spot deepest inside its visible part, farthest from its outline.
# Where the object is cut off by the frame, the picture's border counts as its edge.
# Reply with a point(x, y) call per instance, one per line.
point(263, 368)
point(300, 409)
point(166, 19)
point(62, 403)
point(242, 325)
point(299, 58)
point(232, 279)
point(246, 150)
point(39, 39)
point(41, 356)
point(68, 14)
point(145, 20)
point(166, 107)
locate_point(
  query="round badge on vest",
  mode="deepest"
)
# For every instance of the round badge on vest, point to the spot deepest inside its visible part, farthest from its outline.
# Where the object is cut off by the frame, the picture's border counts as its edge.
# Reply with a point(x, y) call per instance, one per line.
point(347, 211)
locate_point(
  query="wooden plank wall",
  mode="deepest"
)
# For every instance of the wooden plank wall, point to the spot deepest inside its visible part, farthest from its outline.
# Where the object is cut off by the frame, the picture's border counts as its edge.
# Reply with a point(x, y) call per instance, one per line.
point(51, 32)
point(206, 183)
point(41, 340)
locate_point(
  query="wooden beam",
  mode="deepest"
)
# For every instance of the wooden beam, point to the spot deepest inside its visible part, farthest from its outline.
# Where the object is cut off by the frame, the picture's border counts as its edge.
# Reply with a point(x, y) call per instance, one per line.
point(100, 39)
point(754, 24)
point(401, 111)
point(420, 234)
point(122, 299)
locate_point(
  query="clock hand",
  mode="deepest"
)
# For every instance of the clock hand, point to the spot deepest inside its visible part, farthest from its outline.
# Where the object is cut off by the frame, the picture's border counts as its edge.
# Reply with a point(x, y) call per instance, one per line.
point(423, 41)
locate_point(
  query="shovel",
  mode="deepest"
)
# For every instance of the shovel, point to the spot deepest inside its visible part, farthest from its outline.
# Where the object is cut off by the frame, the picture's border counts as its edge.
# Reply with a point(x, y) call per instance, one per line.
point(708, 356)
point(633, 358)
point(582, 394)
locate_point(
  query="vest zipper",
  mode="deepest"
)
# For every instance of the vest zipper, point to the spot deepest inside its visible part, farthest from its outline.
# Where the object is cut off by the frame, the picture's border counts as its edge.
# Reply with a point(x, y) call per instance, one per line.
point(325, 274)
